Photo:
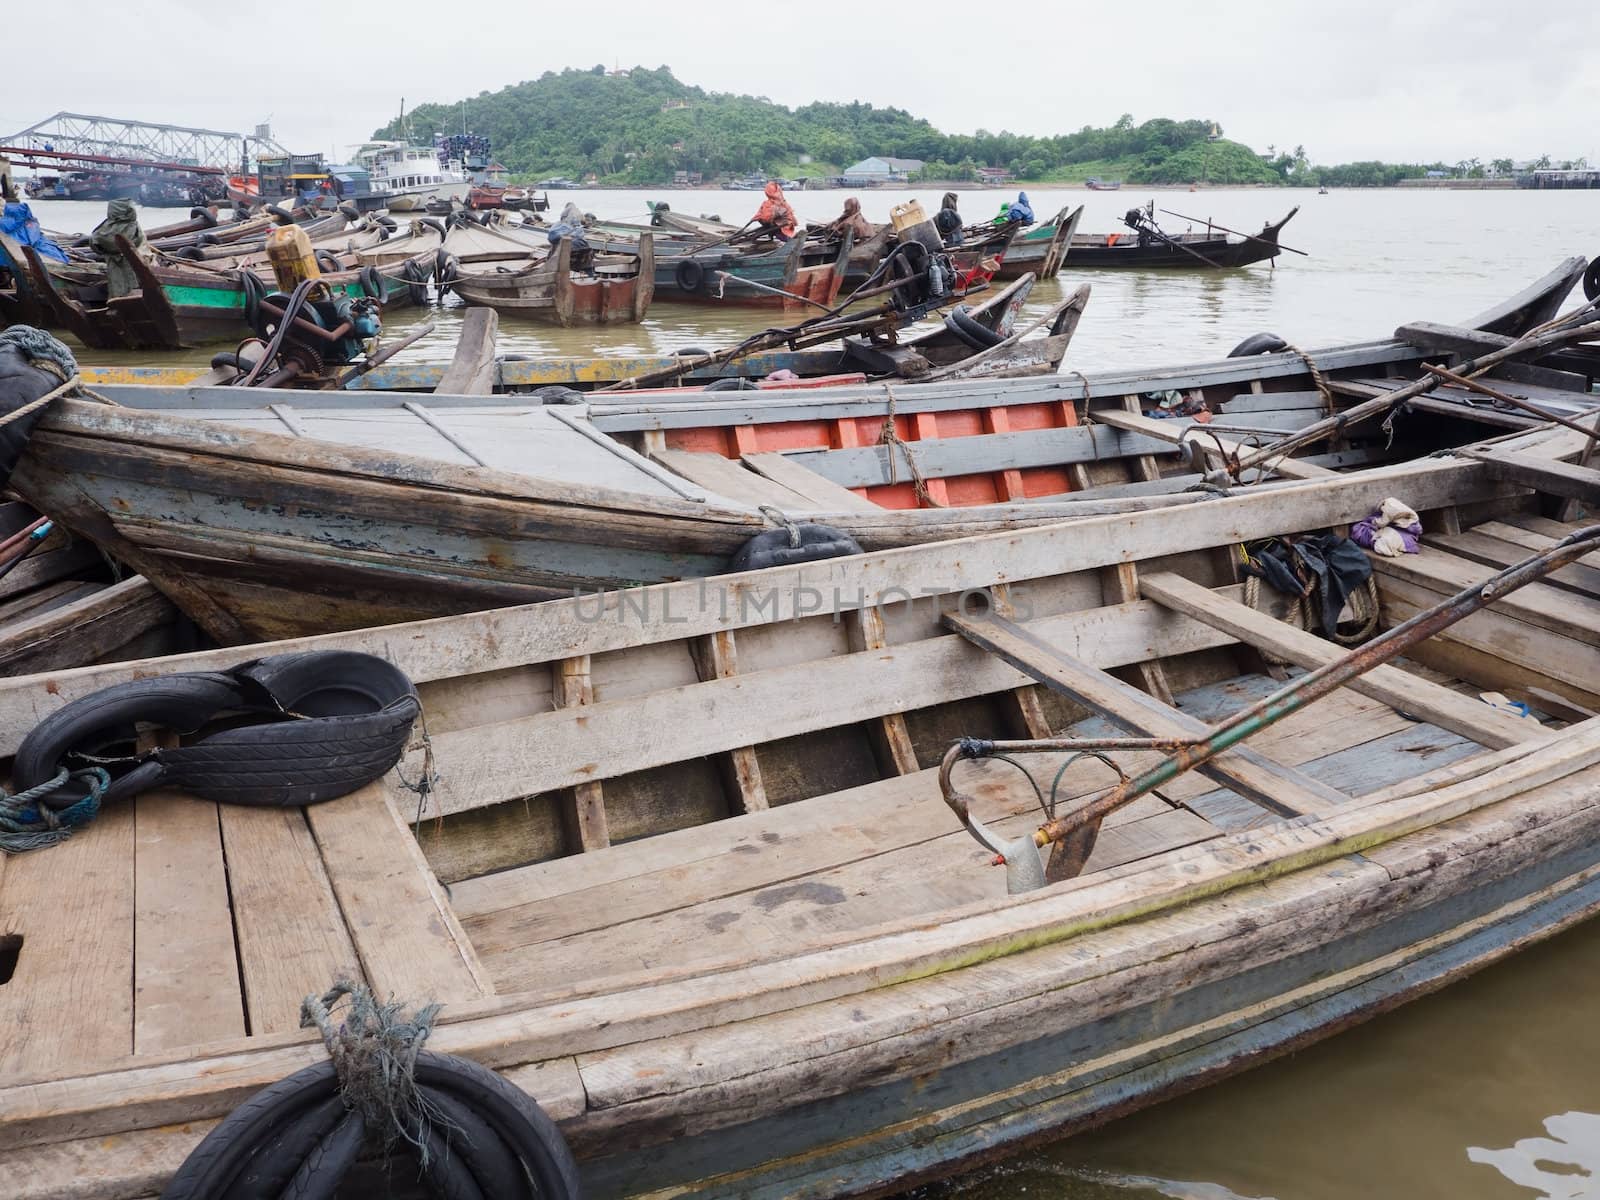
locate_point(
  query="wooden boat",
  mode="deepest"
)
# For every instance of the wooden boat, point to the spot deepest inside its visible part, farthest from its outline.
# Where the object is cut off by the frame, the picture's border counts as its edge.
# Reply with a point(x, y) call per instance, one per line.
point(1188, 250)
point(610, 289)
point(1095, 184)
point(384, 508)
point(938, 353)
point(1041, 249)
point(705, 901)
point(183, 303)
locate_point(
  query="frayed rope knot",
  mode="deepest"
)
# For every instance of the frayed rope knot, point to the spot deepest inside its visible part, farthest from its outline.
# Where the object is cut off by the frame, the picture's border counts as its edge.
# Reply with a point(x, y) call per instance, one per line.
point(28, 823)
point(374, 1048)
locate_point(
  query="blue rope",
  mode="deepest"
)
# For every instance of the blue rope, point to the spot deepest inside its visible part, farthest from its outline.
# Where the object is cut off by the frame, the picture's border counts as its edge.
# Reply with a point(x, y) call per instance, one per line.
point(25, 824)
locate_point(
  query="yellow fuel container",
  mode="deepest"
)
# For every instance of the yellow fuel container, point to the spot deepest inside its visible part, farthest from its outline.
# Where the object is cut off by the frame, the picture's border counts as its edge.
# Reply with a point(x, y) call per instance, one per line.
point(912, 224)
point(293, 261)
point(903, 216)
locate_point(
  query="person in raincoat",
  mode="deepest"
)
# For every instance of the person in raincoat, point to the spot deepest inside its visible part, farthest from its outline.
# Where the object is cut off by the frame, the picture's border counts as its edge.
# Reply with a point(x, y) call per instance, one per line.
point(948, 221)
point(1021, 210)
point(776, 213)
point(121, 221)
point(852, 221)
point(571, 226)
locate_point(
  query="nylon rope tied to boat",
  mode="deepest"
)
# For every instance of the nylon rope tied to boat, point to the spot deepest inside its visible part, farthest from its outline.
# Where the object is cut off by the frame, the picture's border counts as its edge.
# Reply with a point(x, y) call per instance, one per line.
point(374, 1049)
point(28, 824)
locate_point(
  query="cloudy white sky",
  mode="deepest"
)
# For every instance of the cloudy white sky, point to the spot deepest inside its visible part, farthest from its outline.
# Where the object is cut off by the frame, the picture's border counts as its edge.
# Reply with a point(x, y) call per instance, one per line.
point(1348, 79)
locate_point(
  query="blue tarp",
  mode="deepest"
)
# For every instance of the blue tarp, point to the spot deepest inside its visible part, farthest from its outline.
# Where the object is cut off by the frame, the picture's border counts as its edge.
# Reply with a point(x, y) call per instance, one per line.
point(19, 224)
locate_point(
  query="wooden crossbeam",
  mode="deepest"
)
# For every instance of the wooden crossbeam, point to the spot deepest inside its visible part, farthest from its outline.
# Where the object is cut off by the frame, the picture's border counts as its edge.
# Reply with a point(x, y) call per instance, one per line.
point(1270, 784)
point(1421, 698)
point(717, 657)
point(1544, 474)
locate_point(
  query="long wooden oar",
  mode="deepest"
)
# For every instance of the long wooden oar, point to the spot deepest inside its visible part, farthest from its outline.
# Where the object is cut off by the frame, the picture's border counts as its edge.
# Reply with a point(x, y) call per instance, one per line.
point(1254, 237)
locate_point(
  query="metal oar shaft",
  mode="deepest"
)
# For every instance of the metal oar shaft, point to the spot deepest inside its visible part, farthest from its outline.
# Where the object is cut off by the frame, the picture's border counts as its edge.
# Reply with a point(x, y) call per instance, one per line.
point(1317, 684)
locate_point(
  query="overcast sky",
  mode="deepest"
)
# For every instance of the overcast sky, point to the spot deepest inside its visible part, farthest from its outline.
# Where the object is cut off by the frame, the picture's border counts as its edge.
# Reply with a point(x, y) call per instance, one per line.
point(1348, 79)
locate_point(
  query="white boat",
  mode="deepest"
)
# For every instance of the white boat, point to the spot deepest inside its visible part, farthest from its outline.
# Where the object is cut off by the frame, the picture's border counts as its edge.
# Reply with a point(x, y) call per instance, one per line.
point(410, 176)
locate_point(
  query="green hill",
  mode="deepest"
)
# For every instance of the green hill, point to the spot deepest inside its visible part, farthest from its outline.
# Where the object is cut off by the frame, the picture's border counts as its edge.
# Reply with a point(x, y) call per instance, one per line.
point(642, 125)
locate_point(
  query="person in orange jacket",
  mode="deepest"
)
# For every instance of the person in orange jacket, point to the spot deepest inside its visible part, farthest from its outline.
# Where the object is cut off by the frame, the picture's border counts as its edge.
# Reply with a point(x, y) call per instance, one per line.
point(776, 213)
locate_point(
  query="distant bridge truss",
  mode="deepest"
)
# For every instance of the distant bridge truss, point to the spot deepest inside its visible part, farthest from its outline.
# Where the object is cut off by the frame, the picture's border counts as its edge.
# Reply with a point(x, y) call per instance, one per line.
point(81, 134)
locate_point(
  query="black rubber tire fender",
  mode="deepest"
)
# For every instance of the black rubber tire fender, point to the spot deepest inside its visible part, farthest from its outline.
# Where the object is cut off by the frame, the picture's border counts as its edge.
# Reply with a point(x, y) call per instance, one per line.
point(254, 293)
point(279, 214)
point(330, 1159)
point(372, 283)
point(328, 261)
point(555, 393)
point(1591, 280)
point(325, 683)
point(689, 275)
point(434, 223)
point(731, 383)
point(690, 352)
point(207, 239)
point(190, 254)
point(416, 277)
point(516, 1116)
point(387, 222)
point(350, 211)
point(970, 330)
point(268, 1171)
point(1258, 343)
point(183, 702)
point(357, 712)
point(774, 549)
point(213, 1165)
point(524, 1129)
point(203, 214)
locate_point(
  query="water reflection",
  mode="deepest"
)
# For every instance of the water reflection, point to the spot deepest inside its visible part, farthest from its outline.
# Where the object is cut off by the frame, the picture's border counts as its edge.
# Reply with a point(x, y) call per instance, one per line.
point(1563, 1166)
point(1045, 1179)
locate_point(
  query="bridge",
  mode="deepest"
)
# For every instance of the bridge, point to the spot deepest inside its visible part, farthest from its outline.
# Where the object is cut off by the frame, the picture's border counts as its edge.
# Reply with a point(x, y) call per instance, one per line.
point(95, 140)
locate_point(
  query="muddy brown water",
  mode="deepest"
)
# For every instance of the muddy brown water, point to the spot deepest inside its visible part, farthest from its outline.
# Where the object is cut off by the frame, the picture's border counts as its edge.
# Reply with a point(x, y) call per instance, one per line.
point(1488, 1090)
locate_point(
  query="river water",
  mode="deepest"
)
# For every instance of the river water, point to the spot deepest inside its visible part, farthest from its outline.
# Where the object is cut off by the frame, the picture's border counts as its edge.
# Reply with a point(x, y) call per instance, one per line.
point(1490, 1089)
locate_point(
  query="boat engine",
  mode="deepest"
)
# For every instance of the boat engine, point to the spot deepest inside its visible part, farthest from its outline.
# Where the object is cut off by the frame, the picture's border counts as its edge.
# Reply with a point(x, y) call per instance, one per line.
point(918, 268)
point(306, 326)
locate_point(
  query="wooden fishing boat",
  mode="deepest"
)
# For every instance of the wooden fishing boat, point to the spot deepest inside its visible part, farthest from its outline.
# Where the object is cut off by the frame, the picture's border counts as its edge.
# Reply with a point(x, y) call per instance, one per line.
point(938, 353)
point(686, 876)
point(1095, 184)
point(610, 289)
point(192, 303)
point(383, 508)
point(1190, 250)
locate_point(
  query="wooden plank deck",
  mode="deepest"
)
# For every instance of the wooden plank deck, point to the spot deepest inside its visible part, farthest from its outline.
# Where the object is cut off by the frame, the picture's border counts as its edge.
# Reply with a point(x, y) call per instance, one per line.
point(771, 883)
point(169, 923)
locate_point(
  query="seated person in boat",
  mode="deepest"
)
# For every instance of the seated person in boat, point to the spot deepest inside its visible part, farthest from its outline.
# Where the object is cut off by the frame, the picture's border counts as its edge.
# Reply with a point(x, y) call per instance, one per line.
point(572, 226)
point(775, 213)
point(1020, 210)
point(948, 221)
point(851, 221)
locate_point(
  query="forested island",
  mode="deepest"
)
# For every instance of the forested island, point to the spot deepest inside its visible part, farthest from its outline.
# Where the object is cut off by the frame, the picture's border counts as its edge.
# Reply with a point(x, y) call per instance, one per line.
point(645, 127)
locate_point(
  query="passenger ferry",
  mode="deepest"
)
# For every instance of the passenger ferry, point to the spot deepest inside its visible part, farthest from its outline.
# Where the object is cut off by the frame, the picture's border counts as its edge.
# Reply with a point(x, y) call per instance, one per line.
point(410, 176)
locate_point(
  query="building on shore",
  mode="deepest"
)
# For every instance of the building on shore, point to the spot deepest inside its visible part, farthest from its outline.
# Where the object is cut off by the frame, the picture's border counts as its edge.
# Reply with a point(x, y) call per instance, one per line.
point(882, 170)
